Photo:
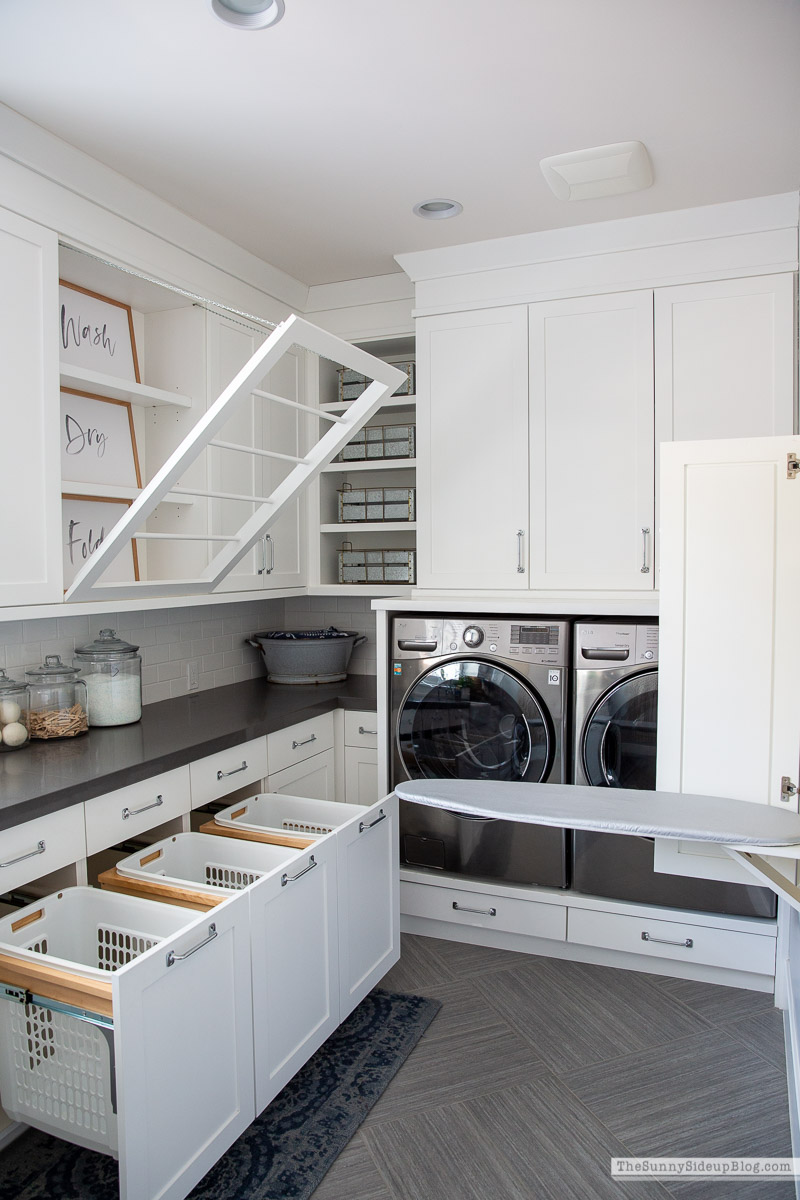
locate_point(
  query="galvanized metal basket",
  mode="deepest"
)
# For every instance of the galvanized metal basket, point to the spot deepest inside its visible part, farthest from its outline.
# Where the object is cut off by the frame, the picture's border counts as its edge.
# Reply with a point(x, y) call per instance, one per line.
point(380, 441)
point(377, 503)
point(352, 383)
point(376, 566)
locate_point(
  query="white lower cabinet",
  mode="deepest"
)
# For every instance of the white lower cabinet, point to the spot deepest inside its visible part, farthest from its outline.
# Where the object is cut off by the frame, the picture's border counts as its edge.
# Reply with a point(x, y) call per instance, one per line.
point(40, 846)
point(369, 900)
point(360, 757)
point(677, 940)
point(484, 910)
point(314, 777)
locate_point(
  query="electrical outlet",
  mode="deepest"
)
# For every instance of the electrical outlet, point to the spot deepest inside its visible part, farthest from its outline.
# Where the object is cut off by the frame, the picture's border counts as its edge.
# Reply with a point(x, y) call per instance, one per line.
point(192, 676)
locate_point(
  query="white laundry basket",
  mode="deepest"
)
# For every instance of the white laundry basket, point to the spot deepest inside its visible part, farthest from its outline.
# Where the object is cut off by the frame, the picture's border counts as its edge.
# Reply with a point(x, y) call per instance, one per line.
point(271, 812)
point(207, 863)
point(56, 1071)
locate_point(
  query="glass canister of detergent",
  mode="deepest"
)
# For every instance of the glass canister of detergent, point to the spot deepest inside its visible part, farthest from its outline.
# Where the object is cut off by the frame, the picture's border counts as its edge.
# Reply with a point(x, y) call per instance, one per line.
point(13, 713)
point(57, 700)
point(112, 672)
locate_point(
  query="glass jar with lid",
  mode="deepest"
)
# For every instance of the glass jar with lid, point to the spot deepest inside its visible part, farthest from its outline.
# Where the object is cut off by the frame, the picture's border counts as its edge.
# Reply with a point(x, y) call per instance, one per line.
point(13, 713)
point(112, 672)
point(58, 700)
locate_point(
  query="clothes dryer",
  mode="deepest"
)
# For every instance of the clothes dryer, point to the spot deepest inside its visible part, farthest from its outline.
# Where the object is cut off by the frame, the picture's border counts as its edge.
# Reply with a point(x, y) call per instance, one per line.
point(480, 698)
point(614, 723)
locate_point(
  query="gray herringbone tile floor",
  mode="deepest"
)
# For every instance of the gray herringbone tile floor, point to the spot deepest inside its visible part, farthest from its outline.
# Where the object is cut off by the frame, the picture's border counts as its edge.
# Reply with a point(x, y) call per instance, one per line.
point(537, 1071)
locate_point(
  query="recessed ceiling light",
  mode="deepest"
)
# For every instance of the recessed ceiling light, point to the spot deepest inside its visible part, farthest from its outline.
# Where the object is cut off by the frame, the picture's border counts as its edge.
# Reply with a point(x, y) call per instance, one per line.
point(248, 14)
point(437, 210)
point(600, 171)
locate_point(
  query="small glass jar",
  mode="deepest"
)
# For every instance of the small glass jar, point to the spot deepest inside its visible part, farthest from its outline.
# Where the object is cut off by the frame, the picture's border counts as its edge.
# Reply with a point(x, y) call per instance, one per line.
point(58, 700)
point(112, 672)
point(13, 713)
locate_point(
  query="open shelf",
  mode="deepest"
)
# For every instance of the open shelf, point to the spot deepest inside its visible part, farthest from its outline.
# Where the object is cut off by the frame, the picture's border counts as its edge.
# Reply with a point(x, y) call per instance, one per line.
point(342, 527)
point(392, 402)
point(370, 464)
point(73, 488)
point(83, 380)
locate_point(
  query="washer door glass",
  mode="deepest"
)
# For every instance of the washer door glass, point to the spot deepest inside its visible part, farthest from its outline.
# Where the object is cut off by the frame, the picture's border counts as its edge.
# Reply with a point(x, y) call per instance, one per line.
point(618, 746)
point(472, 720)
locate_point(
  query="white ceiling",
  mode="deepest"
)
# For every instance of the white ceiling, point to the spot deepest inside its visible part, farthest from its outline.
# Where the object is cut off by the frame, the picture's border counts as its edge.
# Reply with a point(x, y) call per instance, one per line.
point(309, 143)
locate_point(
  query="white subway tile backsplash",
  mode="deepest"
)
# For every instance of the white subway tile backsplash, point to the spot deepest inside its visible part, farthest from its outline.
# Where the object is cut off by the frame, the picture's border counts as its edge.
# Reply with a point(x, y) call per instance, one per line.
point(224, 677)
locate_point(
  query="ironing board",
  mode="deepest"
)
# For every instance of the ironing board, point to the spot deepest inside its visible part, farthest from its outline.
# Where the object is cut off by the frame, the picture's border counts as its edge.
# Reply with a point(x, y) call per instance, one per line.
point(746, 831)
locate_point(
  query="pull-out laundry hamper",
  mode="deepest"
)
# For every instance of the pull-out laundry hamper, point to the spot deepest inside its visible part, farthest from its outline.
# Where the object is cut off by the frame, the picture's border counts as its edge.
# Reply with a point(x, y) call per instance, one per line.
point(56, 1071)
point(206, 864)
point(272, 812)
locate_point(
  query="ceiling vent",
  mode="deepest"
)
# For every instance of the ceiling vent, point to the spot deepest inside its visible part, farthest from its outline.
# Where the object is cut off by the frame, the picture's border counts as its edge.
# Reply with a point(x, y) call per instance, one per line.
point(600, 171)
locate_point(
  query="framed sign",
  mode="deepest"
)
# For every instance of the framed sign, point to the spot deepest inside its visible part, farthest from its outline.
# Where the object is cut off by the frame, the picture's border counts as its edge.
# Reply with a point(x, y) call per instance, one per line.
point(98, 442)
point(96, 333)
point(85, 521)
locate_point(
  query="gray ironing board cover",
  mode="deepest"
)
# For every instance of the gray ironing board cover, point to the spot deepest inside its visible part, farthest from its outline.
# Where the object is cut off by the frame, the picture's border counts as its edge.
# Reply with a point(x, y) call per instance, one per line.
point(612, 810)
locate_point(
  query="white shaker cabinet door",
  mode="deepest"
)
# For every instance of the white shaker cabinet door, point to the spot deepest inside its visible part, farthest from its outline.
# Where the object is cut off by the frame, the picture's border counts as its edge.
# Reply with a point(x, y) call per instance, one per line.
point(183, 1035)
point(724, 359)
point(591, 442)
point(472, 427)
point(729, 654)
point(295, 974)
point(369, 900)
point(30, 465)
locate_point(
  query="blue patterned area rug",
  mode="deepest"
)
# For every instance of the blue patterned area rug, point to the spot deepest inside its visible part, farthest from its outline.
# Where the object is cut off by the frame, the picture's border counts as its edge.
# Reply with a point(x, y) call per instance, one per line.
point(284, 1154)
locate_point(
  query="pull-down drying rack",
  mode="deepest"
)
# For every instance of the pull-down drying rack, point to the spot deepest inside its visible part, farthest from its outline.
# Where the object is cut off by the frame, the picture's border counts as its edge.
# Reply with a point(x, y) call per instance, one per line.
point(293, 332)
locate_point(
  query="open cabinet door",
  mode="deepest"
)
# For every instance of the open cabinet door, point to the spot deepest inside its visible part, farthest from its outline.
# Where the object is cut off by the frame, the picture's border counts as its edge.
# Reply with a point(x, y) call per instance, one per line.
point(729, 661)
point(183, 1037)
point(292, 333)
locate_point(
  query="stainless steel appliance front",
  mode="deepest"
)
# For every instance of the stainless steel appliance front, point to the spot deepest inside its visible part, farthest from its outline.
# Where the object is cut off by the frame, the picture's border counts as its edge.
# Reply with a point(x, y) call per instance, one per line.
point(615, 706)
point(480, 698)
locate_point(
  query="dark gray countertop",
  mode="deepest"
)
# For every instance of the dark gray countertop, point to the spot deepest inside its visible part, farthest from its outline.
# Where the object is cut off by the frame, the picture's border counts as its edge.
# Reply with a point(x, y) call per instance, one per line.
point(46, 776)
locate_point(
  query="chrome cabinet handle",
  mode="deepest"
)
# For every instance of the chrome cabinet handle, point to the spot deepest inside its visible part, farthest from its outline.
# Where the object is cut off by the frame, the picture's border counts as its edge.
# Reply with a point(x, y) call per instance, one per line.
point(264, 569)
point(520, 559)
point(172, 957)
point(369, 824)
point(687, 942)
point(235, 771)
point(483, 912)
point(313, 738)
point(645, 569)
point(371, 732)
point(40, 848)
point(312, 862)
point(134, 812)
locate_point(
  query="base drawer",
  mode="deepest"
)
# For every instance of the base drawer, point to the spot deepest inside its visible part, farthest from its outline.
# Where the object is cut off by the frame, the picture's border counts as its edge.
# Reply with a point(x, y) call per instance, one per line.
point(221, 773)
point(673, 940)
point(485, 911)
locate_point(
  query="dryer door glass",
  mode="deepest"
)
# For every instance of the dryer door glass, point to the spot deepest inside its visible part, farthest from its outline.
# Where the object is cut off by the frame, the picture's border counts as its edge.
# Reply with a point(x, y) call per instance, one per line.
point(618, 745)
point(473, 720)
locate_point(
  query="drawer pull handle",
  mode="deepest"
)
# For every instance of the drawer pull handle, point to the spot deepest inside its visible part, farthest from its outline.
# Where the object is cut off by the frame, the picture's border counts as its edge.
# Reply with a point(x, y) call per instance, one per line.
point(235, 771)
point(312, 862)
point(313, 738)
point(134, 812)
point(172, 957)
point(371, 732)
point(687, 942)
point(40, 848)
point(369, 824)
point(483, 912)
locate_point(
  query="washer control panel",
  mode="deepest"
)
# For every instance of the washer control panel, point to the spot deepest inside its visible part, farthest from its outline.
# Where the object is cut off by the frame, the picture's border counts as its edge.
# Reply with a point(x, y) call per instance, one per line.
point(612, 644)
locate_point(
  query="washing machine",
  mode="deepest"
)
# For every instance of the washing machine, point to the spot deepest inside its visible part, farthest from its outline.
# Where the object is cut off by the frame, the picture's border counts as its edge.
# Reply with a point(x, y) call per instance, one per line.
point(480, 698)
point(614, 719)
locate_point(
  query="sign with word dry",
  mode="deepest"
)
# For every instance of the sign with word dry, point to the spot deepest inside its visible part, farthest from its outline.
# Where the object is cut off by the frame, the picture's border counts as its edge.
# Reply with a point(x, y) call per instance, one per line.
point(98, 442)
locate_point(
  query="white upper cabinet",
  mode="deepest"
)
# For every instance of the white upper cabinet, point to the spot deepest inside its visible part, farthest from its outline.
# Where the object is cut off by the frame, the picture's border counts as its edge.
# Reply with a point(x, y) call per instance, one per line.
point(591, 442)
point(472, 457)
point(724, 359)
point(30, 531)
point(729, 650)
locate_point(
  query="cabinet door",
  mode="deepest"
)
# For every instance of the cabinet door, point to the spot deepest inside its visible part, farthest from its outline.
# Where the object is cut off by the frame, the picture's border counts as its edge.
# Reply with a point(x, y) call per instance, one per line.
point(295, 976)
point(183, 1035)
point(360, 775)
point(729, 655)
point(591, 442)
point(472, 417)
point(277, 561)
point(369, 901)
point(724, 359)
point(314, 778)
point(30, 464)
